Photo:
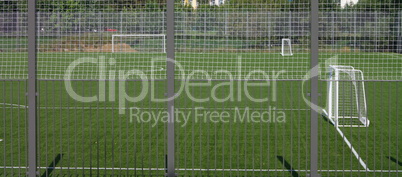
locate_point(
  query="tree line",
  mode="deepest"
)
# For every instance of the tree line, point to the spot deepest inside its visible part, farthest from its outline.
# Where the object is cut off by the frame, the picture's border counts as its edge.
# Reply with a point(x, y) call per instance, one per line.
point(160, 5)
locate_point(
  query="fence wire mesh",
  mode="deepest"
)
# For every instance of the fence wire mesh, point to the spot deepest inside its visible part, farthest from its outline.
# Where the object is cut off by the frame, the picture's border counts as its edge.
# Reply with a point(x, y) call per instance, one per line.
point(242, 79)
point(13, 136)
point(364, 36)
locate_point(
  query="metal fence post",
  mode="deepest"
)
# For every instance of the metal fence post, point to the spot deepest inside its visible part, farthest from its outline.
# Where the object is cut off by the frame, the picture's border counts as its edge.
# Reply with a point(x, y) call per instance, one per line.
point(226, 22)
point(333, 30)
point(355, 31)
point(375, 28)
point(399, 34)
point(59, 24)
point(17, 26)
point(141, 22)
point(38, 26)
point(205, 30)
point(290, 24)
point(32, 128)
point(314, 89)
point(163, 23)
point(247, 35)
point(226, 29)
point(170, 86)
point(121, 22)
point(79, 27)
point(269, 30)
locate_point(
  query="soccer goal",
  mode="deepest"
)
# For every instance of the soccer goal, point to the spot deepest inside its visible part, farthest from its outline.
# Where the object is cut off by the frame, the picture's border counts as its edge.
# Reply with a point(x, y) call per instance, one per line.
point(286, 47)
point(148, 43)
point(346, 102)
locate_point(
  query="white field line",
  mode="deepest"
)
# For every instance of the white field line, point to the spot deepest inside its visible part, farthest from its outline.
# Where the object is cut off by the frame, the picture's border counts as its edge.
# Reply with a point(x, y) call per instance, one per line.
point(16, 106)
point(351, 147)
point(392, 55)
point(197, 169)
point(11, 105)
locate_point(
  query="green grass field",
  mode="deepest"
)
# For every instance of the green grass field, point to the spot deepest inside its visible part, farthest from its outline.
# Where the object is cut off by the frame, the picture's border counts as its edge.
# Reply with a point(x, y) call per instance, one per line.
point(96, 135)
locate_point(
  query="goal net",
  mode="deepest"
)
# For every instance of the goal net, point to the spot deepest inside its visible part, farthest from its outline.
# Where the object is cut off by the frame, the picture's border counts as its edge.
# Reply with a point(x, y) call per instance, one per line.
point(149, 43)
point(286, 47)
point(346, 102)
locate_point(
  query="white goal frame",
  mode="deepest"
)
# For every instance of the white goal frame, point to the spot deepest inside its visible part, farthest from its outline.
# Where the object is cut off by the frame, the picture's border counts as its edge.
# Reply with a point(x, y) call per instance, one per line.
point(334, 111)
point(283, 47)
point(140, 35)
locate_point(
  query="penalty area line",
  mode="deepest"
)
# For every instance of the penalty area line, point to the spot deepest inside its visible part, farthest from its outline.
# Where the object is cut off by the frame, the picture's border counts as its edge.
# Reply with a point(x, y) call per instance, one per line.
point(362, 163)
point(16, 106)
point(196, 169)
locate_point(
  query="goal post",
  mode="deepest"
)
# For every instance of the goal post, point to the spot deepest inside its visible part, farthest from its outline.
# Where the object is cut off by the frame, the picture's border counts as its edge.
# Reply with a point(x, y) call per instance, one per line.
point(149, 43)
point(346, 101)
point(286, 49)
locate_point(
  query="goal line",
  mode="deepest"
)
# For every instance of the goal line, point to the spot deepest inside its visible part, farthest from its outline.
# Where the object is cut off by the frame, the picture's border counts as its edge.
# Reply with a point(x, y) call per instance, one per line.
point(197, 169)
point(17, 106)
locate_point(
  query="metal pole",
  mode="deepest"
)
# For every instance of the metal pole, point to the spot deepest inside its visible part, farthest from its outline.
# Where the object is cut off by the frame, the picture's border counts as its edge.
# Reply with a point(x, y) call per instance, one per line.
point(18, 23)
point(333, 30)
point(170, 86)
point(314, 89)
point(399, 38)
point(290, 24)
point(163, 23)
point(375, 33)
point(142, 22)
point(121, 22)
point(99, 23)
point(59, 25)
point(269, 30)
point(38, 26)
point(205, 30)
point(79, 29)
point(112, 43)
point(247, 36)
point(32, 161)
point(355, 30)
point(226, 23)
point(226, 29)
point(397, 32)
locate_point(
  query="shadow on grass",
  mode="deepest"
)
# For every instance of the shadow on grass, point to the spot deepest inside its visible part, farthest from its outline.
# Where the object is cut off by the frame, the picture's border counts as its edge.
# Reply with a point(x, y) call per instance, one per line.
point(50, 168)
point(326, 119)
point(288, 166)
point(394, 160)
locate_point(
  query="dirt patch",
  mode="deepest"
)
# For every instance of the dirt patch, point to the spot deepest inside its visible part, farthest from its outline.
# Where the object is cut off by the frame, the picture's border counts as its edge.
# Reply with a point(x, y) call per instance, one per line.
point(121, 47)
point(346, 49)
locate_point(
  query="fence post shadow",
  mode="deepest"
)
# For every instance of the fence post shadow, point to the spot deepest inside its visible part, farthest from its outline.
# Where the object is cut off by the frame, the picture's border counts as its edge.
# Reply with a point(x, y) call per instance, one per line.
point(394, 160)
point(51, 166)
point(288, 166)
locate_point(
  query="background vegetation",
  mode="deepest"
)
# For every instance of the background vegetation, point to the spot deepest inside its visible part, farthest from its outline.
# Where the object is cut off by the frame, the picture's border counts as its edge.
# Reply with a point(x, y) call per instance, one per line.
point(146, 5)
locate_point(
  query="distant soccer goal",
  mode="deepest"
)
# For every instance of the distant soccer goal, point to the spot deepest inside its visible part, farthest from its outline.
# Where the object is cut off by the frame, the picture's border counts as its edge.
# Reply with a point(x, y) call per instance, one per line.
point(346, 101)
point(286, 47)
point(148, 43)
